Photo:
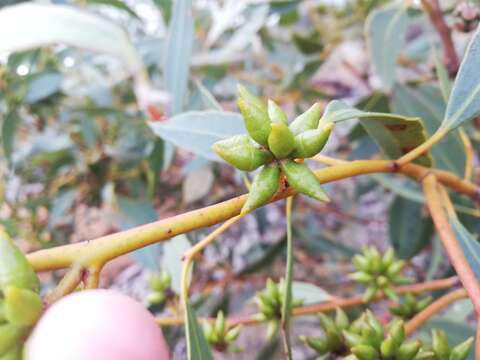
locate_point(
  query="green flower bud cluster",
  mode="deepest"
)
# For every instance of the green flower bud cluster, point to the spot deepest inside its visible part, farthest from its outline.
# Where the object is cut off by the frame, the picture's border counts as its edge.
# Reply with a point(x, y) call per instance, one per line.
point(159, 283)
point(365, 339)
point(379, 272)
point(218, 335)
point(368, 340)
point(410, 306)
point(443, 351)
point(333, 341)
point(270, 300)
point(274, 144)
point(20, 303)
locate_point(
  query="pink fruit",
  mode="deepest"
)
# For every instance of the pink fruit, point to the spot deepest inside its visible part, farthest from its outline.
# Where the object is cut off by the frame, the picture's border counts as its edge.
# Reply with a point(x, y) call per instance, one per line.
point(97, 325)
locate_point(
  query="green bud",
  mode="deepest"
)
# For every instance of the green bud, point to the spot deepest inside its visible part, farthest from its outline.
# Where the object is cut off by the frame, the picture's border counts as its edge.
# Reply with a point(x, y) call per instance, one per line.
point(390, 293)
point(341, 319)
point(233, 333)
point(327, 323)
point(397, 332)
point(220, 323)
point(402, 280)
point(349, 357)
point(273, 291)
point(381, 281)
point(388, 258)
point(402, 310)
point(256, 121)
point(272, 329)
point(376, 264)
point(267, 299)
point(461, 351)
point(360, 262)
point(359, 324)
point(408, 350)
point(156, 298)
point(351, 338)
point(281, 141)
point(309, 143)
point(166, 279)
point(10, 335)
point(208, 331)
point(388, 348)
point(302, 179)
point(22, 306)
point(276, 114)
point(156, 282)
point(241, 153)
point(361, 277)
point(423, 303)
point(365, 352)
point(267, 310)
point(440, 344)
point(370, 293)
point(319, 344)
point(14, 354)
point(425, 355)
point(395, 268)
point(2, 312)
point(264, 186)
point(375, 324)
point(307, 121)
point(15, 269)
point(246, 95)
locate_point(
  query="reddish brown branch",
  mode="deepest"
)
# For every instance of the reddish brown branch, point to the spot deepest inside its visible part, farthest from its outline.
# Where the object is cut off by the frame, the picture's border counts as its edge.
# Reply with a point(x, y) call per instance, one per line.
point(450, 57)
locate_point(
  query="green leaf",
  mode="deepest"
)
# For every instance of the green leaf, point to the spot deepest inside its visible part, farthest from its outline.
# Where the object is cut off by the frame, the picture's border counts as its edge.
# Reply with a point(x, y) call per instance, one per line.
point(64, 25)
point(166, 7)
point(173, 251)
point(426, 102)
point(117, 4)
point(464, 102)
point(410, 231)
point(42, 85)
point(197, 346)
point(442, 74)
point(9, 129)
point(470, 246)
point(385, 31)
point(309, 293)
point(197, 131)
point(178, 51)
point(395, 134)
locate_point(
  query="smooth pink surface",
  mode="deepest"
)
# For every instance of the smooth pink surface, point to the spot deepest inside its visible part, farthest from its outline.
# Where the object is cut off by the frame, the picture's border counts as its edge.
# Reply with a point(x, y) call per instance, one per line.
point(97, 325)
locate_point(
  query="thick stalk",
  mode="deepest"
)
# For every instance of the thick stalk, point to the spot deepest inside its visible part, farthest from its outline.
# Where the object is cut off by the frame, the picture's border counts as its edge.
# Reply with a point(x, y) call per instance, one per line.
point(433, 195)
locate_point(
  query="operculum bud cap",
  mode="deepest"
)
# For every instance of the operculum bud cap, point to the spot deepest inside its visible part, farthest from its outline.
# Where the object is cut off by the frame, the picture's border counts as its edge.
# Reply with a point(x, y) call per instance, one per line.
point(309, 143)
point(281, 141)
point(255, 117)
point(302, 179)
point(276, 114)
point(307, 121)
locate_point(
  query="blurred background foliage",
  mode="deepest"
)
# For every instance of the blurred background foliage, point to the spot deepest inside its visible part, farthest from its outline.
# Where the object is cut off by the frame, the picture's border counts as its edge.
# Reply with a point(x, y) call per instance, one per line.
point(81, 157)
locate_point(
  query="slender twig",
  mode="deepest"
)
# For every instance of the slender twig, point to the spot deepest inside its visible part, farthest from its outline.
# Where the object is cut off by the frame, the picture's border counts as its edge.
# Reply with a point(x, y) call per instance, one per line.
point(418, 320)
point(287, 296)
point(468, 147)
point(108, 247)
point(68, 284)
point(432, 7)
point(331, 305)
point(433, 195)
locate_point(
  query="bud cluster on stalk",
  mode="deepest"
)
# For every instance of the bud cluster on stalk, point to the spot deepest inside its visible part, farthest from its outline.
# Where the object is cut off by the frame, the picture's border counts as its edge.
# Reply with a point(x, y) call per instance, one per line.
point(365, 339)
point(160, 285)
point(270, 302)
point(443, 351)
point(379, 273)
point(20, 303)
point(274, 144)
point(410, 306)
point(219, 335)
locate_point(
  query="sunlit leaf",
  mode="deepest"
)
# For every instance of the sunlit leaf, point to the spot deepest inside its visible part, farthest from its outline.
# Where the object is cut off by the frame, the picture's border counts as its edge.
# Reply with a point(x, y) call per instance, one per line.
point(470, 246)
point(426, 102)
point(395, 134)
point(385, 31)
point(178, 50)
point(309, 293)
point(197, 131)
point(464, 102)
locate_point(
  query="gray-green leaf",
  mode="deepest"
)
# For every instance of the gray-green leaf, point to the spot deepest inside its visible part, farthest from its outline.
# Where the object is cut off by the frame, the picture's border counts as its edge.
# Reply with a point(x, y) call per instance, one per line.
point(197, 346)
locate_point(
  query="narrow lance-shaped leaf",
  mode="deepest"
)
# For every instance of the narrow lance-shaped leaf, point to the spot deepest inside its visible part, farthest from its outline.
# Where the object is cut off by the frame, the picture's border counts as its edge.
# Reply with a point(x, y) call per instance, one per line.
point(197, 345)
point(470, 246)
point(464, 101)
point(178, 50)
point(385, 31)
point(395, 134)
